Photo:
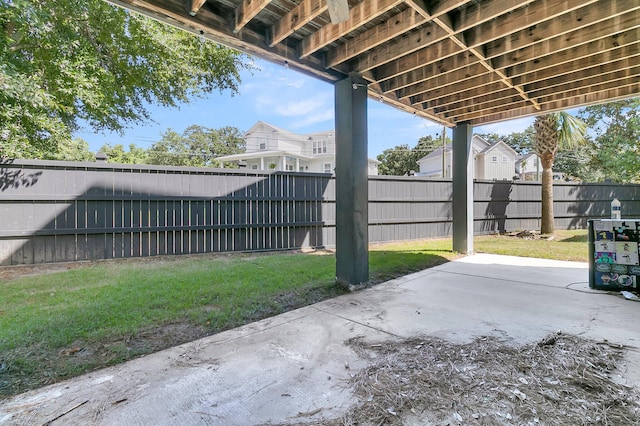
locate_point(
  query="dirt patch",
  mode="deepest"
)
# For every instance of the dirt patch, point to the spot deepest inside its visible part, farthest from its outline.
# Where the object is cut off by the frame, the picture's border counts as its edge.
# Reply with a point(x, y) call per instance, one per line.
point(8, 273)
point(562, 380)
point(80, 357)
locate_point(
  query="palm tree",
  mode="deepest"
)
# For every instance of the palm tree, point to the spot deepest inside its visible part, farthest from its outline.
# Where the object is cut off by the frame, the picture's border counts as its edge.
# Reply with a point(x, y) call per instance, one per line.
point(557, 130)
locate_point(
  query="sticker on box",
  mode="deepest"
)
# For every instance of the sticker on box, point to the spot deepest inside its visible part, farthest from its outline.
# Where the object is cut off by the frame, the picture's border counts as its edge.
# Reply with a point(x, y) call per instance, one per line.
point(603, 267)
point(627, 281)
point(604, 278)
point(600, 225)
point(626, 235)
point(604, 235)
point(625, 247)
point(605, 246)
point(627, 258)
point(617, 268)
point(633, 270)
point(605, 257)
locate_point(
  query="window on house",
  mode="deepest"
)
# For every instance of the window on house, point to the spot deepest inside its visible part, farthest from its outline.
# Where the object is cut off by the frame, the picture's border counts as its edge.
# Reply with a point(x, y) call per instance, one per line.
point(319, 147)
point(535, 161)
point(494, 159)
point(263, 145)
point(290, 167)
point(504, 158)
point(254, 167)
point(328, 168)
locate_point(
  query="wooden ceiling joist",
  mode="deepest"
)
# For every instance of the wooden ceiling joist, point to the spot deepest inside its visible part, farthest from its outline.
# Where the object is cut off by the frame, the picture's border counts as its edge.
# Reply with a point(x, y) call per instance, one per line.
point(358, 16)
point(194, 6)
point(296, 18)
point(480, 61)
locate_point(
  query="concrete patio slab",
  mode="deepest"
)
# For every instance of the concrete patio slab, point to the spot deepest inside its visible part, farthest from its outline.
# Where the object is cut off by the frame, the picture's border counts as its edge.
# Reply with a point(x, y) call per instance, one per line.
point(293, 367)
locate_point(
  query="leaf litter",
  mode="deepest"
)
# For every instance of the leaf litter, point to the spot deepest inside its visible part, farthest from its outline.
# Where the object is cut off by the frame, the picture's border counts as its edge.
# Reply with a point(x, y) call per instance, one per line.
point(560, 380)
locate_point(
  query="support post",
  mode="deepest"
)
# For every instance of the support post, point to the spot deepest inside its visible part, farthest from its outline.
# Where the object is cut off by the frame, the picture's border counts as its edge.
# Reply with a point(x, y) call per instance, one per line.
point(352, 192)
point(462, 189)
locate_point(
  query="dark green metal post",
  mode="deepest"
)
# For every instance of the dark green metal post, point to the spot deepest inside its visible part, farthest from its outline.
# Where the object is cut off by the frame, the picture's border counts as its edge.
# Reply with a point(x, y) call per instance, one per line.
point(352, 196)
point(462, 189)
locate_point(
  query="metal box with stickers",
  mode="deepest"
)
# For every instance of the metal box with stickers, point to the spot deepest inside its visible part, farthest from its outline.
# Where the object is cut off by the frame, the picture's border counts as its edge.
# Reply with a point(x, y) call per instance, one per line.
point(613, 254)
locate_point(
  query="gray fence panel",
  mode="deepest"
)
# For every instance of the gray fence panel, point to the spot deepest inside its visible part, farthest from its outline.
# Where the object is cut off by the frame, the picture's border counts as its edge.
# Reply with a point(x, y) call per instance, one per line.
point(62, 211)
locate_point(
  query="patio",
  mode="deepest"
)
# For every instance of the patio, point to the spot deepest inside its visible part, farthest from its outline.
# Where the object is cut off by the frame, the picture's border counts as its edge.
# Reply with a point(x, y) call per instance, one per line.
point(293, 368)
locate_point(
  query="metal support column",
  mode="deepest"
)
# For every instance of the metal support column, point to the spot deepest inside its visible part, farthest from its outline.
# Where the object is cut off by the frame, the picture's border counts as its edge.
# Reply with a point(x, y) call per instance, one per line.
point(352, 196)
point(462, 189)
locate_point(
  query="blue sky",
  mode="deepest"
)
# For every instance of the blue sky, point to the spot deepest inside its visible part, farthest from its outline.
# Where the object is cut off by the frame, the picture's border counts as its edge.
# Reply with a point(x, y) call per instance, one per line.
point(287, 99)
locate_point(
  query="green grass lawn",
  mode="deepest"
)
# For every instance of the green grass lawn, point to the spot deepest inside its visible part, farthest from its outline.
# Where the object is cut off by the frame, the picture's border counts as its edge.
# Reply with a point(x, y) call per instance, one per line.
point(58, 325)
point(565, 245)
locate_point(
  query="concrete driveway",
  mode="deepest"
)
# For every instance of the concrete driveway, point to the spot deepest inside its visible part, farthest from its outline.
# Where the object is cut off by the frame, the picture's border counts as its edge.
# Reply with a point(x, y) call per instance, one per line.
point(293, 367)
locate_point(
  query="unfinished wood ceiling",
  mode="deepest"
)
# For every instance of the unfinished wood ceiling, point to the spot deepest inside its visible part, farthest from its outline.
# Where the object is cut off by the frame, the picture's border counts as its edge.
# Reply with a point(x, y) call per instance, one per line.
point(452, 61)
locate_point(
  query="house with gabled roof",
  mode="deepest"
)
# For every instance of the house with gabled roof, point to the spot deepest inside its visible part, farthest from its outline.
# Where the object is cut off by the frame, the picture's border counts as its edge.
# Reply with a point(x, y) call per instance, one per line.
point(490, 161)
point(271, 148)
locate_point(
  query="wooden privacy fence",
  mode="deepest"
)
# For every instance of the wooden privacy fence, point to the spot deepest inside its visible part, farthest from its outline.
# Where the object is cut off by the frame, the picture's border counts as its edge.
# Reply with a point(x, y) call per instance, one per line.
point(62, 211)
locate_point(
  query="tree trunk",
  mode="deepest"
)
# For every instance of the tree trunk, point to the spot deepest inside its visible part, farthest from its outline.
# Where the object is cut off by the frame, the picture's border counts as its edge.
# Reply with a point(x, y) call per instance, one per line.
point(547, 226)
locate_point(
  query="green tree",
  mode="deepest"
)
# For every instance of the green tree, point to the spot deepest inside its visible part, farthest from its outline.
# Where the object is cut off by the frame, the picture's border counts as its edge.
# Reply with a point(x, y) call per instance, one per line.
point(119, 155)
point(397, 161)
point(73, 150)
point(402, 160)
point(63, 62)
point(614, 141)
point(552, 131)
point(197, 146)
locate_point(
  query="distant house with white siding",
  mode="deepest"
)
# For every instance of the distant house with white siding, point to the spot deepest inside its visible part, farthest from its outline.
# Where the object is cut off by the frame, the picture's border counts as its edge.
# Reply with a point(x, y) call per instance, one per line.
point(528, 167)
point(271, 148)
point(490, 161)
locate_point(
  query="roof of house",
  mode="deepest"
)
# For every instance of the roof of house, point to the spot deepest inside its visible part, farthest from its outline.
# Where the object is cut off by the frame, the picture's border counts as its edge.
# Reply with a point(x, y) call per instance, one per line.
point(479, 145)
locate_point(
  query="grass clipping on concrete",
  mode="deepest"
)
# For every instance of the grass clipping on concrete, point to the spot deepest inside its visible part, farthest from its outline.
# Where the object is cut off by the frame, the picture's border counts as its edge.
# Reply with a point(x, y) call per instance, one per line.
point(562, 380)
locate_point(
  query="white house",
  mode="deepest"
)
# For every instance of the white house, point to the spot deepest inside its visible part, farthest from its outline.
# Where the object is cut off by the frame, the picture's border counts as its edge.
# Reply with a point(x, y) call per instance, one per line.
point(528, 167)
point(272, 148)
point(490, 161)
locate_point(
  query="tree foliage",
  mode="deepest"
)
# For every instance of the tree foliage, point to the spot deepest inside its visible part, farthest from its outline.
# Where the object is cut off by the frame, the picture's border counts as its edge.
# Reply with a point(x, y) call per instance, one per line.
point(197, 146)
point(118, 154)
point(67, 61)
point(74, 150)
point(402, 160)
point(614, 141)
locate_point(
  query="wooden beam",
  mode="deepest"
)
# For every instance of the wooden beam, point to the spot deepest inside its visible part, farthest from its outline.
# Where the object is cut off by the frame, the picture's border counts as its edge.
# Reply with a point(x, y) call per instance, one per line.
point(615, 32)
point(428, 35)
point(478, 13)
point(573, 102)
point(475, 72)
point(441, 98)
point(595, 88)
point(364, 42)
point(533, 74)
point(483, 14)
point(480, 104)
point(420, 58)
point(601, 73)
point(522, 20)
point(246, 11)
point(295, 19)
point(580, 16)
point(358, 16)
point(194, 6)
point(464, 114)
point(444, 66)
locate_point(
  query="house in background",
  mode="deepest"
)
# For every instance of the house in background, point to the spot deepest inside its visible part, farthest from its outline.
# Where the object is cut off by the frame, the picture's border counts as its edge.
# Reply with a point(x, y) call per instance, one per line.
point(528, 167)
point(490, 161)
point(271, 148)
